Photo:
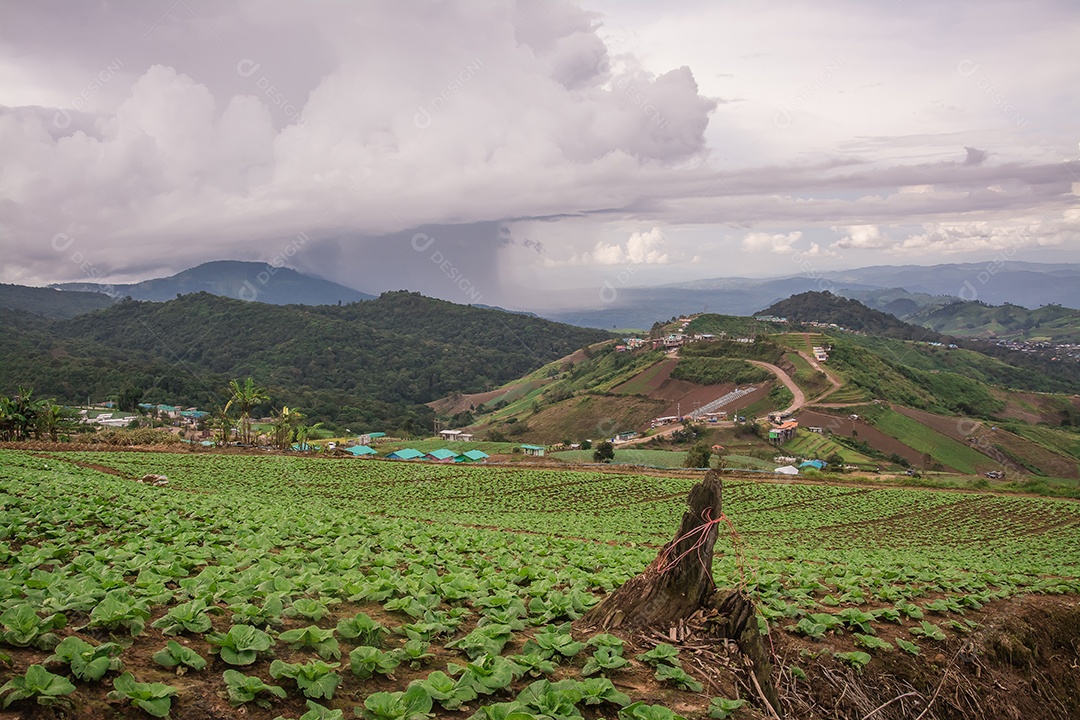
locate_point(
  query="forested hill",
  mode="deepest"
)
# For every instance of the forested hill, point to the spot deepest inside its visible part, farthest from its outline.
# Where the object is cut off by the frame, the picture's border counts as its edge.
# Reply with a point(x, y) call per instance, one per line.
point(824, 307)
point(50, 303)
point(1011, 322)
point(370, 364)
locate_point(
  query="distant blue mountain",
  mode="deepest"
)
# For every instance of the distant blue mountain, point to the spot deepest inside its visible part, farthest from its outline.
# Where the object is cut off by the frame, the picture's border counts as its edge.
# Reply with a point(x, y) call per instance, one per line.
point(1026, 284)
point(234, 279)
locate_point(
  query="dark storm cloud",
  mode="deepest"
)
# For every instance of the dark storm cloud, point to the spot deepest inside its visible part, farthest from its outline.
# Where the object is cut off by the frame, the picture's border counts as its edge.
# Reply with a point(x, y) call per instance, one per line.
point(146, 137)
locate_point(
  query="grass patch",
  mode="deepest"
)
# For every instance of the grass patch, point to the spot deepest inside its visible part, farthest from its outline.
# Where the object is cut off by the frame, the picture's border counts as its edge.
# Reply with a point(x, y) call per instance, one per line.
point(714, 371)
point(926, 440)
point(1053, 439)
point(639, 385)
point(745, 462)
point(808, 444)
point(627, 456)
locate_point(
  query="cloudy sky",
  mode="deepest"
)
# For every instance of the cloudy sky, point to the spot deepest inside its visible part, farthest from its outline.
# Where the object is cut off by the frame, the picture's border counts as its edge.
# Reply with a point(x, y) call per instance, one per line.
point(528, 152)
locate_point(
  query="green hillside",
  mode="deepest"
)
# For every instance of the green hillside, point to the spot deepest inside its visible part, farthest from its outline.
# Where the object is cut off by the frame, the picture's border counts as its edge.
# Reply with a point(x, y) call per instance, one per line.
point(729, 326)
point(761, 350)
point(51, 303)
point(890, 377)
point(367, 364)
point(1020, 371)
point(1011, 322)
point(824, 307)
point(941, 448)
point(714, 371)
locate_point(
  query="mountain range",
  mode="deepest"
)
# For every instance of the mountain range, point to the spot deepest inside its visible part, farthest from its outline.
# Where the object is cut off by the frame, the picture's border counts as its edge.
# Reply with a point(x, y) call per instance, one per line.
point(1019, 283)
point(943, 298)
point(233, 279)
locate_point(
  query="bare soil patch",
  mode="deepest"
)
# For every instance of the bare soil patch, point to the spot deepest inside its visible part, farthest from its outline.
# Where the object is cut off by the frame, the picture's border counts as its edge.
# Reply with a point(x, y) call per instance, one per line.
point(1020, 662)
point(843, 425)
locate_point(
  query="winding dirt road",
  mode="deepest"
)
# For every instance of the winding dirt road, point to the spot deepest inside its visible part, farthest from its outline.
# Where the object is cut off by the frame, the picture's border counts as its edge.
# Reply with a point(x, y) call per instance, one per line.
point(796, 391)
point(833, 380)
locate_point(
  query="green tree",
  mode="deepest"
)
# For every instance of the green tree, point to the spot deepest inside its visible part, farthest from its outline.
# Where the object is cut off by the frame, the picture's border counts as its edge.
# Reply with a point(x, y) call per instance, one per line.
point(286, 424)
point(52, 419)
point(19, 415)
point(699, 456)
point(604, 452)
point(129, 399)
point(303, 432)
point(245, 397)
point(223, 426)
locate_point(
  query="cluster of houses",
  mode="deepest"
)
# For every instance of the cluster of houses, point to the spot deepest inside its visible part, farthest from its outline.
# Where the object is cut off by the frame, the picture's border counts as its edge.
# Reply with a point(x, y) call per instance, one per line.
point(441, 455)
point(780, 434)
point(182, 418)
point(820, 354)
point(1056, 351)
point(630, 343)
point(105, 419)
point(677, 340)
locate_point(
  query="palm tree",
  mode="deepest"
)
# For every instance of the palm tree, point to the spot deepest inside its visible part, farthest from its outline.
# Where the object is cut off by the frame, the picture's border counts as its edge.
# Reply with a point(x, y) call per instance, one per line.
point(245, 397)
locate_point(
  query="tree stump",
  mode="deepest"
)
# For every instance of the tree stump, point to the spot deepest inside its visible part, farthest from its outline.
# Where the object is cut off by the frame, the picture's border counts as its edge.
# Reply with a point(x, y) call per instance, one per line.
point(679, 581)
point(676, 591)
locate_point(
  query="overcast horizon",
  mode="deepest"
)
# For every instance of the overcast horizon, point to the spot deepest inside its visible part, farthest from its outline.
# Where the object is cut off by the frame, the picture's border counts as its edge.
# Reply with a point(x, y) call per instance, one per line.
point(534, 148)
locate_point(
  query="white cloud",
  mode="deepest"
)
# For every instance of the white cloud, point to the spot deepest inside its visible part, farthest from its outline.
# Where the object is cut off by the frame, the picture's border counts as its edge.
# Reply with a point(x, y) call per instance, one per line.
point(518, 116)
point(777, 243)
point(862, 237)
point(643, 248)
point(982, 236)
point(224, 128)
point(816, 250)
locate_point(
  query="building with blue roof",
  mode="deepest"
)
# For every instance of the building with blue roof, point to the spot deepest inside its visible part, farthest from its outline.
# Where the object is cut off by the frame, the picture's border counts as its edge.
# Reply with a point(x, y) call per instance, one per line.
point(472, 456)
point(406, 454)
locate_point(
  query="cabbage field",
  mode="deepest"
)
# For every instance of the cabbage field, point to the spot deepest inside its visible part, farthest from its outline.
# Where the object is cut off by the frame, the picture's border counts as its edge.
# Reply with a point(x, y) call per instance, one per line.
point(269, 586)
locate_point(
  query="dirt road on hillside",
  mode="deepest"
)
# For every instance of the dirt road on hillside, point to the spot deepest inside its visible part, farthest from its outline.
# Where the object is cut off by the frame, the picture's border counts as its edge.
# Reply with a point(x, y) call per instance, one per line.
point(800, 397)
point(833, 380)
